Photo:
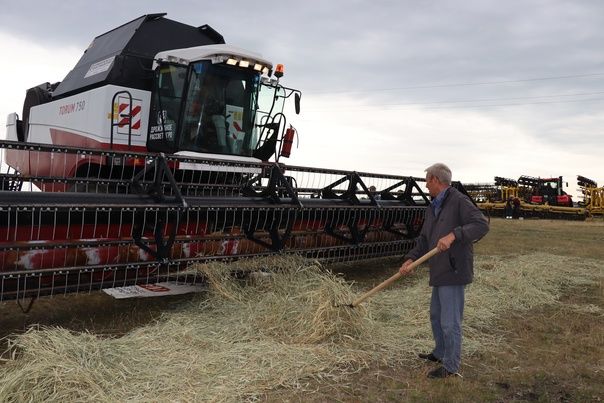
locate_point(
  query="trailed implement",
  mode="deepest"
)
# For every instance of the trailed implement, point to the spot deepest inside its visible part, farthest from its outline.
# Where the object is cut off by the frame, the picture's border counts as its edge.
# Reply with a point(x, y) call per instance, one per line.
point(592, 196)
point(527, 197)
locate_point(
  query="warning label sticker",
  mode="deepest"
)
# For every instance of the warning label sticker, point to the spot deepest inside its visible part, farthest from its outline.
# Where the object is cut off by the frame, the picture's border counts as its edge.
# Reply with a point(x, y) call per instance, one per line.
point(99, 67)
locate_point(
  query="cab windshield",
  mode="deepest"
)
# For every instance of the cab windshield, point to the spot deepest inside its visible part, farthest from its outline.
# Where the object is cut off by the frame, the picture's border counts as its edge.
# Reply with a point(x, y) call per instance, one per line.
point(218, 110)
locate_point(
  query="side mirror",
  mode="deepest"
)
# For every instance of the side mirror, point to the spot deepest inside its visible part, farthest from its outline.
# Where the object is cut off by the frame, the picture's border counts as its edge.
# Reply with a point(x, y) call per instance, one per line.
point(297, 102)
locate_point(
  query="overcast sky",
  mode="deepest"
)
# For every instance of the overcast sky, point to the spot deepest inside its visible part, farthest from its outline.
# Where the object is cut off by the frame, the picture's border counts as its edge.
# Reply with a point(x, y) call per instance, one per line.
point(491, 88)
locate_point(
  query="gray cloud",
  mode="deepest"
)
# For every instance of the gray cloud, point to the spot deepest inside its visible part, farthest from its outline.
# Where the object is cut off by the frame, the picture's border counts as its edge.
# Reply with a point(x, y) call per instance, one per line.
point(380, 43)
point(373, 52)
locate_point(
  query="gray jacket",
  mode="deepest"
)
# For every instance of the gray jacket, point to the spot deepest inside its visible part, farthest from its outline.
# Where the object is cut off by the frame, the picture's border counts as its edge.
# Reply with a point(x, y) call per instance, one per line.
point(458, 214)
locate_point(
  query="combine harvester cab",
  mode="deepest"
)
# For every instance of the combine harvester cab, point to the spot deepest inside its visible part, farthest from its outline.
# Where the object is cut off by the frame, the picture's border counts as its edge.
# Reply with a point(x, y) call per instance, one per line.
point(161, 149)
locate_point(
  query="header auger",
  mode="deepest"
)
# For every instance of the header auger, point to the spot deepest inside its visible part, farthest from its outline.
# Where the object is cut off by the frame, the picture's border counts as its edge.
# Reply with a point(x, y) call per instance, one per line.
point(160, 149)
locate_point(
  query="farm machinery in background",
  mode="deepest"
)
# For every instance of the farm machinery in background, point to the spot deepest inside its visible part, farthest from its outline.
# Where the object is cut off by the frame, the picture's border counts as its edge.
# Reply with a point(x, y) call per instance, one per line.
point(526, 197)
point(162, 148)
point(592, 195)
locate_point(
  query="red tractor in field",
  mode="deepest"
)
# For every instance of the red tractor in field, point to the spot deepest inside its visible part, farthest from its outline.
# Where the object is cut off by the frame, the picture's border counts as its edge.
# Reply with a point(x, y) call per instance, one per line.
point(545, 191)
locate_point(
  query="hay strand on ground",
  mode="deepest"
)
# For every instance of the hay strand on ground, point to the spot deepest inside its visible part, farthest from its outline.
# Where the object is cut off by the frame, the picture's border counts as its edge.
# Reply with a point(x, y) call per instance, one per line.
point(247, 337)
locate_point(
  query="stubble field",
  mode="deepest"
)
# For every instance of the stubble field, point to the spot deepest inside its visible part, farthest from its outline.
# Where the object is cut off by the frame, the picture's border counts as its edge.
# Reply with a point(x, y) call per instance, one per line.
point(534, 332)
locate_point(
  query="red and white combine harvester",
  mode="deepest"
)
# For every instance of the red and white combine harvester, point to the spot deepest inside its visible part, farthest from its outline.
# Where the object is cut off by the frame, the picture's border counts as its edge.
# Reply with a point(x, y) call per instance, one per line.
point(160, 149)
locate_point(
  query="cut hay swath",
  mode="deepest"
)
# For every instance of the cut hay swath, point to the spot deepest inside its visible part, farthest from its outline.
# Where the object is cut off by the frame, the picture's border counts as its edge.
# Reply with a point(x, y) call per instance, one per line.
point(273, 331)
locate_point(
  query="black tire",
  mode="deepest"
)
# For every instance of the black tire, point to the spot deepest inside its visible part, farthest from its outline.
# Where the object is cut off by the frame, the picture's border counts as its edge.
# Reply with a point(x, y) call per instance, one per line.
point(33, 97)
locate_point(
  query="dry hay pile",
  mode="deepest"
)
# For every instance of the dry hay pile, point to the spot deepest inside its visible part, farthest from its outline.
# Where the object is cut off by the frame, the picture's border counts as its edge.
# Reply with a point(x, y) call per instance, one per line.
point(276, 331)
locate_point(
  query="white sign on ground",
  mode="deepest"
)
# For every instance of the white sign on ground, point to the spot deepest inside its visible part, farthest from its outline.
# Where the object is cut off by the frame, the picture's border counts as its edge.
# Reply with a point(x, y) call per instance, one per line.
point(153, 290)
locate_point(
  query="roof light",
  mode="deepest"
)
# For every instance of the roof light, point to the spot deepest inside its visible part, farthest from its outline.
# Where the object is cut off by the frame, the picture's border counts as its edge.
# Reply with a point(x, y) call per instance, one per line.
point(279, 71)
point(231, 62)
point(265, 71)
point(257, 67)
point(244, 63)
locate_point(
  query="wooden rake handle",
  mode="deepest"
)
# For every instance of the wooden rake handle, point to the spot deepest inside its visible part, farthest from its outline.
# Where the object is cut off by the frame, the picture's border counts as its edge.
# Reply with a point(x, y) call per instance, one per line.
point(395, 277)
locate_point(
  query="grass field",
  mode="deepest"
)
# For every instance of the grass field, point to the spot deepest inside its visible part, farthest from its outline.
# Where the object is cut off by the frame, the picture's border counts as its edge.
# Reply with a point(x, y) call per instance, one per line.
point(550, 353)
point(547, 352)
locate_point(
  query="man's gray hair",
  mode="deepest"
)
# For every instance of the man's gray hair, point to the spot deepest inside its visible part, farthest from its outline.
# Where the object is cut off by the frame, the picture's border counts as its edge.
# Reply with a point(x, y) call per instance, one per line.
point(441, 172)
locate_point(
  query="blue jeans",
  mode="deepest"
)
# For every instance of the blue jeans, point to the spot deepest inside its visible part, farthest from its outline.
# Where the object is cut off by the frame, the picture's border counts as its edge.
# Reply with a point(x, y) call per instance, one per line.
point(446, 314)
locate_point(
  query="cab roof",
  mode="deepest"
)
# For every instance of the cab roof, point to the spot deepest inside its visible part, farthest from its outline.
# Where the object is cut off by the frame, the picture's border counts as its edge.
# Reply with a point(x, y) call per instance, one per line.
point(124, 55)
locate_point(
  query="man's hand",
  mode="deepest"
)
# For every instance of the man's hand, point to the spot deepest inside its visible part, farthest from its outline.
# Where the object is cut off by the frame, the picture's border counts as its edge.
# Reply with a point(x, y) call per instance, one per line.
point(405, 267)
point(445, 242)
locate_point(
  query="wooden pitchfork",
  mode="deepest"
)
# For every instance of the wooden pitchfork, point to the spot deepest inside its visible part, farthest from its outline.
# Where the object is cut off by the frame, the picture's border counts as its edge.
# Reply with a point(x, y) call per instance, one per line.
point(392, 279)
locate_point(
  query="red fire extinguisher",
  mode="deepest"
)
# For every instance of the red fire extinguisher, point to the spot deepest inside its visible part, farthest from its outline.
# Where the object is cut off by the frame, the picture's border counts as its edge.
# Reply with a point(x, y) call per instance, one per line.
point(288, 141)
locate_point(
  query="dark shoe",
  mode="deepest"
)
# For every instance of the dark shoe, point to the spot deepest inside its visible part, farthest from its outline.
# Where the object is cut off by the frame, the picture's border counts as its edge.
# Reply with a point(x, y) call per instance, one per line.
point(441, 372)
point(429, 357)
